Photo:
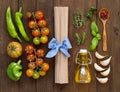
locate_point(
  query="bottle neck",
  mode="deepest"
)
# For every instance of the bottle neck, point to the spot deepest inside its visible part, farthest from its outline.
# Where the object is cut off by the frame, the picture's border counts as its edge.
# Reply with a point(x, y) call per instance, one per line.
point(83, 58)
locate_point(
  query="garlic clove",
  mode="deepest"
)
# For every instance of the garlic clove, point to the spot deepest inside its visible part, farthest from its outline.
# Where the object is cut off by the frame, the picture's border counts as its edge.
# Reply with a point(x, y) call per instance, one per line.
point(99, 56)
point(102, 80)
point(106, 62)
point(98, 68)
point(106, 72)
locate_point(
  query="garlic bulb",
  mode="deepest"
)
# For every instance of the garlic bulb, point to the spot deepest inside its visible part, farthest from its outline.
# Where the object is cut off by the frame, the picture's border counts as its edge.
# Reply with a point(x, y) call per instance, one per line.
point(102, 80)
point(98, 68)
point(106, 72)
point(106, 62)
point(99, 56)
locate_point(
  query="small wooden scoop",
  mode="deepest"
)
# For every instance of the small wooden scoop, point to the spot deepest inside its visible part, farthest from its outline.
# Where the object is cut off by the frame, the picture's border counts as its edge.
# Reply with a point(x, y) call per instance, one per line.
point(104, 16)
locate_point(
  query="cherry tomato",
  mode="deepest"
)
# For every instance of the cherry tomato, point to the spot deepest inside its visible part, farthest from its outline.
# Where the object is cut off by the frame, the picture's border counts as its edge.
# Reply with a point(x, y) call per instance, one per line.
point(43, 39)
point(29, 49)
point(30, 57)
point(40, 53)
point(45, 66)
point(31, 65)
point(39, 61)
point(39, 15)
point(42, 73)
point(35, 33)
point(28, 15)
point(36, 40)
point(29, 72)
point(32, 24)
point(42, 23)
point(45, 31)
point(36, 75)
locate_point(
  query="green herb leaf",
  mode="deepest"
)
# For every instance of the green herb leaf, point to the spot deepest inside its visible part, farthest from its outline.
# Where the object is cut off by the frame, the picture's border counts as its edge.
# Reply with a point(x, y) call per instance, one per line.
point(78, 19)
point(78, 38)
point(83, 37)
point(90, 13)
point(93, 9)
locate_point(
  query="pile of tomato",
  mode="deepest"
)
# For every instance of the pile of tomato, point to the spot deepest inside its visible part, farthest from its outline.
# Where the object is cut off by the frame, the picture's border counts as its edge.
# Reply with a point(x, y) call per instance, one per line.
point(36, 65)
point(39, 30)
point(38, 27)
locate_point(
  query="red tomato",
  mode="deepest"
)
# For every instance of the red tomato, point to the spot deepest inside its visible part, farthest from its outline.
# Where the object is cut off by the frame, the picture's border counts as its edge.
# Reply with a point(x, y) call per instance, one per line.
point(39, 61)
point(42, 23)
point(31, 65)
point(40, 53)
point(45, 66)
point(39, 15)
point(30, 57)
point(32, 24)
point(35, 32)
point(29, 49)
point(29, 72)
point(45, 31)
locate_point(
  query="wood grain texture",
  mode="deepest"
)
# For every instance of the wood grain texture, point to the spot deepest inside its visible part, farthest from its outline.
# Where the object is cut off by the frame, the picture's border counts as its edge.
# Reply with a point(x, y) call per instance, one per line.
point(113, 33)
point(6, 84)
point(46, 84)
point(26, 84)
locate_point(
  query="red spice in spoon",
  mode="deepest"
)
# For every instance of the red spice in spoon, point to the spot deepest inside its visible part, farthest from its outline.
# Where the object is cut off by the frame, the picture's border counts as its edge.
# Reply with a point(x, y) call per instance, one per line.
point(104, 14)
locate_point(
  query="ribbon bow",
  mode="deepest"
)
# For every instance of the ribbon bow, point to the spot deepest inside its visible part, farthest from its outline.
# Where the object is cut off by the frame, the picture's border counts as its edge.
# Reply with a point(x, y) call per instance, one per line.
point(55, 47)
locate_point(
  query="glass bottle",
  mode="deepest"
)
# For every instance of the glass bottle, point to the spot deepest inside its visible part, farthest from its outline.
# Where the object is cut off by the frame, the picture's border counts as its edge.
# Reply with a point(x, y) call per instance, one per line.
point(82, 74)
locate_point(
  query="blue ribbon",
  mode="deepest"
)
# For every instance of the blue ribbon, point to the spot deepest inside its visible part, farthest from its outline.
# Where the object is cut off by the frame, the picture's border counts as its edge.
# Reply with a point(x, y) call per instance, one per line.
point(55, 47)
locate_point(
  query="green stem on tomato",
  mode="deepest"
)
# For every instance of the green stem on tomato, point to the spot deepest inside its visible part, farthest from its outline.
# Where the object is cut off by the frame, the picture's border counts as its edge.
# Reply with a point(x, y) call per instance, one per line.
point(35, 53)
point(20, 10)
point(35, 21)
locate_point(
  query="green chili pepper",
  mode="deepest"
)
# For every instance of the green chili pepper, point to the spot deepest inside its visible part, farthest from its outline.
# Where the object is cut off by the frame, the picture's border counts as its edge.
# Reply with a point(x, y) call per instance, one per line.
point(18, 16)
point(14, 70)
point(93, 44)
point(10, 26)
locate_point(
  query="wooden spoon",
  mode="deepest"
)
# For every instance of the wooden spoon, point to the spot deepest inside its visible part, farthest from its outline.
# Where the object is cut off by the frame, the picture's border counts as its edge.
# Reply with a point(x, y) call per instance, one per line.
point(104, 19)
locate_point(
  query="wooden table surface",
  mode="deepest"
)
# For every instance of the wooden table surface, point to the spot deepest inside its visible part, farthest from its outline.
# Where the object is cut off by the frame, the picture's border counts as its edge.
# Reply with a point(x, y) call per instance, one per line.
point(46, 84)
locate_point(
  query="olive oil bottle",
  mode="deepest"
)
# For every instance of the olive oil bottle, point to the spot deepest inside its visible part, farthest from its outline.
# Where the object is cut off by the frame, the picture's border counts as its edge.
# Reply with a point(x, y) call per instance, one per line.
point(82, 74)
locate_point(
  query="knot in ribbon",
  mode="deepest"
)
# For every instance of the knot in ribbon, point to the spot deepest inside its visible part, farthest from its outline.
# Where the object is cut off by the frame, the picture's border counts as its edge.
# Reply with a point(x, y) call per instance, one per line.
point(55, 47)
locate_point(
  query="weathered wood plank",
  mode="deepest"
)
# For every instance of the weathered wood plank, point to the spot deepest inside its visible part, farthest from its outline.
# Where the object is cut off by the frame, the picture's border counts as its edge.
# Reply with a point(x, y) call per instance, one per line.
point(113, 33)
point(27, 84)
point(6, 84)
point(70, 87)
point(83, 6)
point(45, 84)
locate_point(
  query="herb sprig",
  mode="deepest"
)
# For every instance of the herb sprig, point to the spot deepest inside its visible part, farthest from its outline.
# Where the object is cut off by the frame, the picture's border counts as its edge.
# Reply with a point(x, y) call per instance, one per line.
point(78, 19)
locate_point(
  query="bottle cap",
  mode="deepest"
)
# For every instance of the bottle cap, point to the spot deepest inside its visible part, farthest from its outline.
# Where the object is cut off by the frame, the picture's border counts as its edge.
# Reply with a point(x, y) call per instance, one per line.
point(83, 51)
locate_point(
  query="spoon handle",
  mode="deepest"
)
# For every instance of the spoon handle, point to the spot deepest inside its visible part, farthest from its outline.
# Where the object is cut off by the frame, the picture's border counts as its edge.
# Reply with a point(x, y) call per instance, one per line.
point(104, 37)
